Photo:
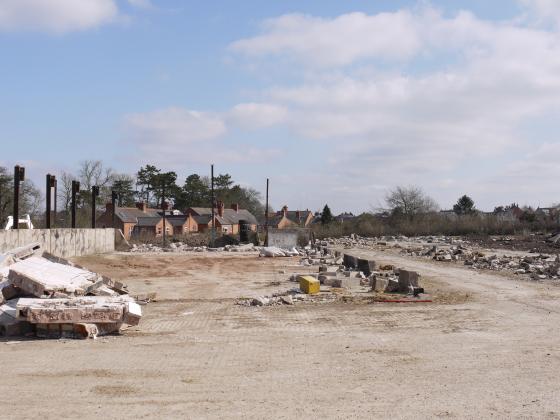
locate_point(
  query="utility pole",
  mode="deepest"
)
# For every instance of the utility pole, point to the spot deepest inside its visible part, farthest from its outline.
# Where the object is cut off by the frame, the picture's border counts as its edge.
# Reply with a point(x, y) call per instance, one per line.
point(75, 191)
point(19, 176)
point(213, 231)
point(94, 195)
point(50, 184)
point(266, 215)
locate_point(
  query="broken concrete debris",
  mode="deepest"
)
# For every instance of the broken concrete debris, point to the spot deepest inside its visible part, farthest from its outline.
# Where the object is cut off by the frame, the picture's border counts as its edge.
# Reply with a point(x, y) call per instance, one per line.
point(53, 298)
point(342, 277)
point(449, 249)
point(182, 247)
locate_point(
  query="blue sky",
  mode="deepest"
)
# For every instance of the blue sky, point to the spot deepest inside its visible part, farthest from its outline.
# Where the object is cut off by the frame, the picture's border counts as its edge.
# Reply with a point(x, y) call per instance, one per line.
point(335, 101)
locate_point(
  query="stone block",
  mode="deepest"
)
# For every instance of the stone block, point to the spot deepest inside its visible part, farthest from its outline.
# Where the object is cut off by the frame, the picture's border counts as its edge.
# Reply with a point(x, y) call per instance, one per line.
point(350, 282)
point(350, 261)
point(407, 279)
point(309, 285)
point(39, 277)
point(75, 310)
point(366, 266)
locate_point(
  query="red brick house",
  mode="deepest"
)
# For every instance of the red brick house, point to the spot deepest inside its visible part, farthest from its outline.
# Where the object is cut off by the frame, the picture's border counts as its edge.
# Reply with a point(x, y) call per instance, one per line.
point(226, 220)
point(285, 219)
point(141, 220)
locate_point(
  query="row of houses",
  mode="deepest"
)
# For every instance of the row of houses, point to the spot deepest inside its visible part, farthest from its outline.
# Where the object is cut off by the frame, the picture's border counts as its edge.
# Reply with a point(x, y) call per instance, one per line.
point(144, 221)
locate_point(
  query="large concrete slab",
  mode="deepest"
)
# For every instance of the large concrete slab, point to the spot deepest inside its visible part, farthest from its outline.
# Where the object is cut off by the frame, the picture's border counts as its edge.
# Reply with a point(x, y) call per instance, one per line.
point(41, 277)
point(87, 309)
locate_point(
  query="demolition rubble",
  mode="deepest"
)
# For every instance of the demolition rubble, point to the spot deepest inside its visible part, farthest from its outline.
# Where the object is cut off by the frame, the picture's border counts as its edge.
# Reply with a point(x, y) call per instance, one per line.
point(176, 247)
point(50, 297)
point(343, 277)
point(447, 249)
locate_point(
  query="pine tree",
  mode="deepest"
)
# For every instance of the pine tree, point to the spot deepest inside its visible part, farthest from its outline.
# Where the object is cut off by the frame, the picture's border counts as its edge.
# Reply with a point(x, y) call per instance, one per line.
point(326, 216)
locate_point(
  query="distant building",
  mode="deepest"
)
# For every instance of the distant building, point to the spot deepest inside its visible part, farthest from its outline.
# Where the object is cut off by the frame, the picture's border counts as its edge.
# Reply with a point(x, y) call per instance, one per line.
point(226, 220)
point(286, 219)
point(344, 217)
point(142, 220)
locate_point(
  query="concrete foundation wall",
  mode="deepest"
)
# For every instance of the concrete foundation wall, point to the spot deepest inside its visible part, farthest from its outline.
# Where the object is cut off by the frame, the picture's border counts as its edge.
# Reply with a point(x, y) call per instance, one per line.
point(283, 238)
point(61, 242)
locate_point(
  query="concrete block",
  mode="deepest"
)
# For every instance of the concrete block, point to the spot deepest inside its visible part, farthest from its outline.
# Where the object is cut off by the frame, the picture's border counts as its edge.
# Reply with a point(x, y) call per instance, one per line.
point(385, 284)
point(350, 282)
point(366, 266)
point(96, 310)
point(407, 279)
point(350, 261)
point(333, 282)
point(132, 313)
point(309, 285)
point(39, 277)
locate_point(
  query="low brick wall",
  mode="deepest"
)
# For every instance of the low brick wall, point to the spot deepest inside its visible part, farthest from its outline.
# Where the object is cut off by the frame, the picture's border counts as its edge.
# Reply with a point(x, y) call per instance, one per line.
point(61, 242)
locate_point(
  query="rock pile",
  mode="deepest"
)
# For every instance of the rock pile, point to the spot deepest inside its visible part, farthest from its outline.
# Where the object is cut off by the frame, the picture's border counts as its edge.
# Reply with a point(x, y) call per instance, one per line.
point(50, 297)
point(181, 247)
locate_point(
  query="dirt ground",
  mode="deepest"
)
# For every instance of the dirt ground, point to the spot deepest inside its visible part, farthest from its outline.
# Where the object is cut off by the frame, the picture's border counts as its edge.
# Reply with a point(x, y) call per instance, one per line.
point(487, 347)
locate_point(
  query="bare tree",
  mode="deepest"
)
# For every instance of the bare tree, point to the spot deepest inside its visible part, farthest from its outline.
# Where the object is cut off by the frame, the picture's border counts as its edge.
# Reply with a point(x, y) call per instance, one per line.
point(409, 201)
point(93, 172)
point(64, 190)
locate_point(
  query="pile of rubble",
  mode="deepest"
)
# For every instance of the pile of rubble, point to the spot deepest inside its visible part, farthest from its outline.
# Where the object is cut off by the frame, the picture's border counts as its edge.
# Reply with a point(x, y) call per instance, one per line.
point(181, 247)
point(453, 249)
point(339, 274)
point(537, 267)
point(50, 297)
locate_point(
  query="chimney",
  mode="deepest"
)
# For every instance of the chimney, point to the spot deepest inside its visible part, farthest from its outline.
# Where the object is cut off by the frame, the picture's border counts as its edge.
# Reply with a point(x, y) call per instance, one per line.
point(235, 207)
point(142, 206)
point(221, 208)
point(285, 210)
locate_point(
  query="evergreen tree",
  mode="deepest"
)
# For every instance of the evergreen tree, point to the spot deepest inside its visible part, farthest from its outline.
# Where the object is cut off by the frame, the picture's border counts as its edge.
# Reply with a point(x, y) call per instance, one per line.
point(464, 205)
point(326, 216)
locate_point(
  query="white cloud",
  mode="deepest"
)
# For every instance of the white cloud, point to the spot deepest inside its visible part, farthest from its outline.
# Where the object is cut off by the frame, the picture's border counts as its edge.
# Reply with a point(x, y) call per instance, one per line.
point(543, 10)
point(172, 130)
point(56, 16)
point(178, 136)
point(338, 41)
point(257, 115)
point(480, 81)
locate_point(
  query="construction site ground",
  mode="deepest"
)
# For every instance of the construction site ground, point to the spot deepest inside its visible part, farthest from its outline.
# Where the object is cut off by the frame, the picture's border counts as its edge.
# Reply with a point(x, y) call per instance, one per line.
point(487, 346)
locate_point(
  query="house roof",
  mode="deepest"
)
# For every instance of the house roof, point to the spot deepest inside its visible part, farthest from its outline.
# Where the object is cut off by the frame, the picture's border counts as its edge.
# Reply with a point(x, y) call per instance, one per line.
point(203, 215)
point(134, 214)
point(131, 214)
point(292, 215)
point(148, 221)
point(176, 220)
point(203, 219)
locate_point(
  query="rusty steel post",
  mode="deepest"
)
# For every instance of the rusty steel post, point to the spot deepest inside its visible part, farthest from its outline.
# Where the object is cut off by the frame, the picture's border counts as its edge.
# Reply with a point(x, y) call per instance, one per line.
point(19, 176)
point(75, 191)
point(48, 202)
point(94, 195)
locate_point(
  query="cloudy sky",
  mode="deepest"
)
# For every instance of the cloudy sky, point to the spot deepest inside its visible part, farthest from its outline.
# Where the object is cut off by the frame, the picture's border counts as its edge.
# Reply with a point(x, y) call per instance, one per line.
point(335, 101)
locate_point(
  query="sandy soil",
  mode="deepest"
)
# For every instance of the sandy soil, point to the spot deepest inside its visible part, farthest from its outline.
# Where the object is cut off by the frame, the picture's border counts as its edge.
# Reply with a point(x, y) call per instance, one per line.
point(487, 347)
